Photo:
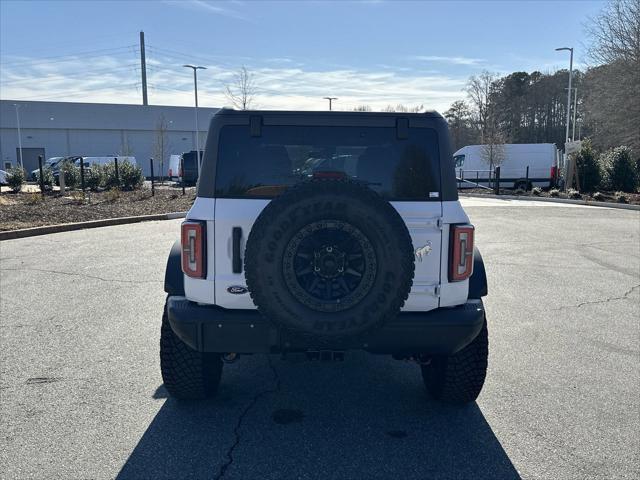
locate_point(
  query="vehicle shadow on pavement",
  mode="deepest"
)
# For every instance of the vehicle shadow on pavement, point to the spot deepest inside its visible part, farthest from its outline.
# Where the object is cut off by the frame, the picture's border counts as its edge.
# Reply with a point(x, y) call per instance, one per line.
point(365, 418)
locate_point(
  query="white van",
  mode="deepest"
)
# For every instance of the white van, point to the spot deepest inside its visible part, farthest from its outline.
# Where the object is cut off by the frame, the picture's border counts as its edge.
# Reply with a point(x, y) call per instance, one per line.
point(525, 165)
point(174, 167)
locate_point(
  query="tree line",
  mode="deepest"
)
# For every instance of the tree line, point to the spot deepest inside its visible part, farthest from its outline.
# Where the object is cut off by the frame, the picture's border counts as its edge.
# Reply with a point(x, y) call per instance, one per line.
point(525, 107)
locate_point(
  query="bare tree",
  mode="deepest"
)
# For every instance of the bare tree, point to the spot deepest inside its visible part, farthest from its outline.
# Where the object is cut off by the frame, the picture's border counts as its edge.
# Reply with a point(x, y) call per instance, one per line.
point(161, 145)
point(493, 150)
point(362, 108)
point(403, 108)
point(480, 89)
point(615, 33)
point(241, 92)
point(612, 101)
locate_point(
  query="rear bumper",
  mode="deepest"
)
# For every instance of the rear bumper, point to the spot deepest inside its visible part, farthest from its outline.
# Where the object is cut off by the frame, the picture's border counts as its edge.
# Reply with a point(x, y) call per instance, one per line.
point(209, 328)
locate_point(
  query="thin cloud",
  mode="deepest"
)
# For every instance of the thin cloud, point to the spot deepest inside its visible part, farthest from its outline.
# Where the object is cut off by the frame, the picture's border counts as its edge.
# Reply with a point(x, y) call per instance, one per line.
point(451, 60)
point(280, 85)
point(208, 7)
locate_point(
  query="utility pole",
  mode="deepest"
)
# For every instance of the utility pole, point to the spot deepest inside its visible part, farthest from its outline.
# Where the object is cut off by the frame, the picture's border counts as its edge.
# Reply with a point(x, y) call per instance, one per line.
point(569, 90)
point(143, 69)
point(19, 136)
point(331, 99)
point(197, 132)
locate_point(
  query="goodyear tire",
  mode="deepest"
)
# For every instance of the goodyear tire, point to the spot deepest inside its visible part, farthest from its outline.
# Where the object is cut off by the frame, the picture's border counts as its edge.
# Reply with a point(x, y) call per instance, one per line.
point(458, 379)
point(187, 373)
point(329, 260)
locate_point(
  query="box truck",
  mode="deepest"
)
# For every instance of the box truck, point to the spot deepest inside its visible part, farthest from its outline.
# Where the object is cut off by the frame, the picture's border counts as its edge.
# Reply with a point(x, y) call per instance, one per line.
point(523, 165)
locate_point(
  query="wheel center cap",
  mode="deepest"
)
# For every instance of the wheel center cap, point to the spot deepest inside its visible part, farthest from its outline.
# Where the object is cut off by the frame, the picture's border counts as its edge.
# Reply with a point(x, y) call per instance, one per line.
point(328, 262)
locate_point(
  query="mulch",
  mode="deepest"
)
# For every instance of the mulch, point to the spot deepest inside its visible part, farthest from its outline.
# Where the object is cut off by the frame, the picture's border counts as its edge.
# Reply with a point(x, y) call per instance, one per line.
point(632, 198)
point(25, 210)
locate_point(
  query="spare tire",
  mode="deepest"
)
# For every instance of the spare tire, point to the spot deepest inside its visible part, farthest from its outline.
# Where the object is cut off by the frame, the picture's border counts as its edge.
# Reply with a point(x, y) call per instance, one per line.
point(329, 260)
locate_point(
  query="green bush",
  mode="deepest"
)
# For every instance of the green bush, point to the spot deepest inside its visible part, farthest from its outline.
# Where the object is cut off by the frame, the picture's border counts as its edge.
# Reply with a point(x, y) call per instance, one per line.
point(554, 192)
point(16, 178)
point(47, 177)
point(536, 191)
point(94, 177)
point(71, 175)
point(589, 171)
point(575, 194)
point(620, 171)
point(599, 197)
point(131, 176)
point(621, 197)
point(109, 172)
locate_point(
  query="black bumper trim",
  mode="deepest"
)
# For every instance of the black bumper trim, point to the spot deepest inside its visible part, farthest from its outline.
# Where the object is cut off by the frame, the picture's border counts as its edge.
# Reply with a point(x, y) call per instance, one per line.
point(209, 328)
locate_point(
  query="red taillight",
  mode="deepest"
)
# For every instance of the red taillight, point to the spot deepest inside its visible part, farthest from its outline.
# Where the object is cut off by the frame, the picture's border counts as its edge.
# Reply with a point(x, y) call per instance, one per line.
point(194, 249)
point(461, 266)
point(170, 172)
point(554, 172)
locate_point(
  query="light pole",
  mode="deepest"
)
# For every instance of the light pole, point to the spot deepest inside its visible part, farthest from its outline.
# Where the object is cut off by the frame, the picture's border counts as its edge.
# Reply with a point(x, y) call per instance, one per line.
point(331, 99)
point(568, 91)
point(195, 87)
point(19, 135)
point(575, 111)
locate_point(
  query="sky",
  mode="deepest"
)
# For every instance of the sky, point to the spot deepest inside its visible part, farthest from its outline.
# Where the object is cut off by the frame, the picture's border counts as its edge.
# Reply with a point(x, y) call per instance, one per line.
point(370, 52)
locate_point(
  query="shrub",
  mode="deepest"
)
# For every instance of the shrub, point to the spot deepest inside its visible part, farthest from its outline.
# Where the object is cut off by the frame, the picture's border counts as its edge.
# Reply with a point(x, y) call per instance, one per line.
point(16, 178)
point(554, 192)
point(130, 176)
point(34, 199)
point(94, 177)
point(71, 175)
point(47, 177)
point(619, 170)
point(621, 197)
point(571, 193)
point(537, 191)
point(589, 171)
point(112, 195)
point(598, 196)
point(109, 173)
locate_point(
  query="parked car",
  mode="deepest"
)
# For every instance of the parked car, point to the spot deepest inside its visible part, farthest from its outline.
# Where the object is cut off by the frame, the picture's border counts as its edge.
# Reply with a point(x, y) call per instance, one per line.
point(541, 159)
point(50, 163)
point(3, 177)
point(368, 249)
point(190, 166)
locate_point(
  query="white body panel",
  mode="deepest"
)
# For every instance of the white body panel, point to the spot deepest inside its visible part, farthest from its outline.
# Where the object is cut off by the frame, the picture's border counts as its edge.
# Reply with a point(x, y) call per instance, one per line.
point(430, 289)
point(174, 166)
point(539, 157)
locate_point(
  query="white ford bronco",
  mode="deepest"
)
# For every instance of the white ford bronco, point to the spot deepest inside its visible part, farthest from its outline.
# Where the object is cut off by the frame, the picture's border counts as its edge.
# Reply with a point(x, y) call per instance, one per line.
point(323, 232)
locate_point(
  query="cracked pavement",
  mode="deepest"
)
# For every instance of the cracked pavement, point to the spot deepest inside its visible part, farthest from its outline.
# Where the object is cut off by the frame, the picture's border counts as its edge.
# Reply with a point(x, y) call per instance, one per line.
point(81, 394)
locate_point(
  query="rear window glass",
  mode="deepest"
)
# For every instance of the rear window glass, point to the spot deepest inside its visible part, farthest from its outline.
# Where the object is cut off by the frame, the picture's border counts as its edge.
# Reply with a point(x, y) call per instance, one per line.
point(261, 167)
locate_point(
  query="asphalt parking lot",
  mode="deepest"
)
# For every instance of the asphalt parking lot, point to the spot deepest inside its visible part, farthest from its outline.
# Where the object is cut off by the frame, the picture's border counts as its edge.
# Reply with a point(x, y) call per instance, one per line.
point(81, 394)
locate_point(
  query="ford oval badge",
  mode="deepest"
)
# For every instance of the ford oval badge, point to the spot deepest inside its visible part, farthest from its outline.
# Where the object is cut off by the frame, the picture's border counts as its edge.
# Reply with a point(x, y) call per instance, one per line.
point(237, 289)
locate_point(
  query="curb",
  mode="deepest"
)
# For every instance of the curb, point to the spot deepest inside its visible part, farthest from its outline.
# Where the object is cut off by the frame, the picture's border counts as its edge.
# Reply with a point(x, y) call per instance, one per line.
point(68, 227)
point(589, 203)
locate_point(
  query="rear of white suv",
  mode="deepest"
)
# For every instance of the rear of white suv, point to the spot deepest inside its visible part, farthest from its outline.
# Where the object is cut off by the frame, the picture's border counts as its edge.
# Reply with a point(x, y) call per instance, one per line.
point(386, 186)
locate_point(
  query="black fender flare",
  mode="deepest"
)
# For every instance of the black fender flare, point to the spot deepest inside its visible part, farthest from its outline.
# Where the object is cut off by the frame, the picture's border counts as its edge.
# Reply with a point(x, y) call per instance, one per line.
point(173, 276)
point(478, 279)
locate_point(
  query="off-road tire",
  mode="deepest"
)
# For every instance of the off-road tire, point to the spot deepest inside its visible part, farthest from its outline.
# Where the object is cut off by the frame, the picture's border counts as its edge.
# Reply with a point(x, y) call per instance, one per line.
point(187, 373)
point(324, 204)
point(458, 379)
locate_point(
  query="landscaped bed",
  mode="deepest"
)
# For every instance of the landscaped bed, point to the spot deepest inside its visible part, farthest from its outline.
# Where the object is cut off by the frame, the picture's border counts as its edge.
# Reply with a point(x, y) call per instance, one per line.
point(25, 210)
point(612, 197)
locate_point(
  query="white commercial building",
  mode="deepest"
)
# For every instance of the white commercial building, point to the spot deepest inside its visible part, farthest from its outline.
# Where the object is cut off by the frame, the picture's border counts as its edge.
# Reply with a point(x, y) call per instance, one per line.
point(58, 129)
